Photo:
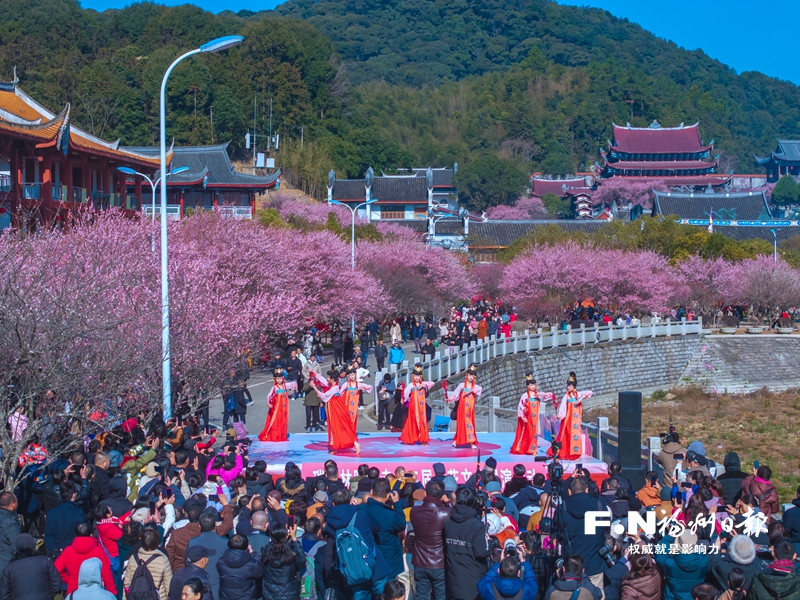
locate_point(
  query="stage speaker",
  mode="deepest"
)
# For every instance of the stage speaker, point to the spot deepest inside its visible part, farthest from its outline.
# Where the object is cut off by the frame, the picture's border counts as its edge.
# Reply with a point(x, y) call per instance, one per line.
point(630, 436)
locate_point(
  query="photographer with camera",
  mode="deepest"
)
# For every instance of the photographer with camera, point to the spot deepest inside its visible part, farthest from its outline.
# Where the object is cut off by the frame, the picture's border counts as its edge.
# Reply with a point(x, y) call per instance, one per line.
point(466, 546)
point(577, 504)
point(572, 583)
point(615, 553)
point(512, 578)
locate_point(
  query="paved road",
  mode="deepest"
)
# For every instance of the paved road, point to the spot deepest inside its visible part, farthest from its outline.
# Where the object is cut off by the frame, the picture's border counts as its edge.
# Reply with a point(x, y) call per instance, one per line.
point(261, 382)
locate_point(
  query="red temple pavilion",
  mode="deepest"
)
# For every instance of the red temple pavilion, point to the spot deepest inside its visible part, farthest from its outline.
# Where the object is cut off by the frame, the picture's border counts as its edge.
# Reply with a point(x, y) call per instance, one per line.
point(675, 155)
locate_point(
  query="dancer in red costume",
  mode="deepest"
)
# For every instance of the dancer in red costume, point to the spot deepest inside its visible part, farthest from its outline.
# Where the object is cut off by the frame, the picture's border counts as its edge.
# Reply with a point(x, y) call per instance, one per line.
point(341, 425)
point(415, 398)
point(466, 394)
point(526, 441)
point(276, 426)
point(570, 411)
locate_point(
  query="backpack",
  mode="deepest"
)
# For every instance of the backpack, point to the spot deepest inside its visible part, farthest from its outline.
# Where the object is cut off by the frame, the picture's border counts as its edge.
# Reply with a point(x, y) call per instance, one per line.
point(142, 586)
point(230, 402)
point(356, 560)
point(308, 585)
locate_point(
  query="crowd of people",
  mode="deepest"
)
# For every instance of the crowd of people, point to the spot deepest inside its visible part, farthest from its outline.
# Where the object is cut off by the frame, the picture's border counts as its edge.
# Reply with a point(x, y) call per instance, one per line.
point(165, 511)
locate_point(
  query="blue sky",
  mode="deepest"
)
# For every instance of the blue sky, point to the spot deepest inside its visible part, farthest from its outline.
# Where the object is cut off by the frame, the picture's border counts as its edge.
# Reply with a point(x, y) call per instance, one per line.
point(747, 36)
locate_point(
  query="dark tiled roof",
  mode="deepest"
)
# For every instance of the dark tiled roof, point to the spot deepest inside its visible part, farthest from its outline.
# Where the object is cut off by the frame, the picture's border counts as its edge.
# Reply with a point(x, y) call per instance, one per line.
point(677, 181)
point(762, 233)
point(218, 163)
point(663, 165)
point(659, 140)
point(385, 189)
point(751, 206)
point(788, 150)
point(441, 177)
point(540, 187)
point(502, 233)
point(350, 189)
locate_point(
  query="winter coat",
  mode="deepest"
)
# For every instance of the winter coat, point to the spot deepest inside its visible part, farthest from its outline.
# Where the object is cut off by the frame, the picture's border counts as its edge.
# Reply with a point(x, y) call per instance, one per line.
point(720, 565)
point(562, 589)
point(181, 576)
point(466, 551)
point(68, 564)
point(391, 521)
point(30, 578)
point(612, 579)
point(339, 517)
point(508, 588)
point(9, 530)
point(117, 502)
point(238, 573)
point(732, 478)
point(772, 584)
point(159, 568)
point(90, 582)
point(791, 521)
point(681, 571)
point(587, 546)
point(764, 492)
point(665, 459)
point(416, 332)
point(261, 486)
point(647, 587)
point(396, 355)
point(180, 538)
point(381, 351)
point(282, 582)
point(428, 520)
point(216, 545)
point(227, 475)
point(100, 485)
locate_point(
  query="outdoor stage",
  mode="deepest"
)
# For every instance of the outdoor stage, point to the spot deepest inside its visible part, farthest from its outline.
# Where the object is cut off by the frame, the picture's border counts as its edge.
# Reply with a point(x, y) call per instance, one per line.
point(309, 451)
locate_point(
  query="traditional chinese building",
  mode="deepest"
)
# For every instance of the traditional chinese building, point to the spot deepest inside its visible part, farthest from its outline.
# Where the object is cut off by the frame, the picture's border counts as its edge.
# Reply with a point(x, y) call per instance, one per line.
point(675, 155)
point(578, 189)
point(731, 208)
point(54, 169)
point(784, 161)
point(211, 183)
point(408, 195)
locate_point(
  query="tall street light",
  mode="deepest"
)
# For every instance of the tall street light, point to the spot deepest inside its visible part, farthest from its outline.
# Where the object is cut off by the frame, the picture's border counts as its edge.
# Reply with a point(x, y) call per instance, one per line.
point(153, 185)
point(353, 211)
point(774, 246)
point(216, 45)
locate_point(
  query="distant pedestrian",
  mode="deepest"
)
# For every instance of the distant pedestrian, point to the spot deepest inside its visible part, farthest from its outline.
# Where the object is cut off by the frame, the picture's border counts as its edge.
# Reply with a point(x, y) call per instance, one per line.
point(381, 353)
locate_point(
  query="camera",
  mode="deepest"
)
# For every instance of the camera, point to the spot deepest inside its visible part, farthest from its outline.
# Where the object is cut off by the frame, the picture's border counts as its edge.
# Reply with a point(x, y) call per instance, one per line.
point(555, 472)
point(510, 549)
point(608, 555)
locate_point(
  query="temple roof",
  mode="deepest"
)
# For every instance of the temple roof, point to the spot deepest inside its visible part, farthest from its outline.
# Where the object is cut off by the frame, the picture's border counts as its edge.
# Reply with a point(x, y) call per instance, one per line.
point(748, 206)
point(210, 161)
point(787, 150)
point(664, 165)
point(22, 115)
point(442, 176)
point(391, 189)
point(679, 180)
point(657, 139)
point(500, 234)
point(559, 187)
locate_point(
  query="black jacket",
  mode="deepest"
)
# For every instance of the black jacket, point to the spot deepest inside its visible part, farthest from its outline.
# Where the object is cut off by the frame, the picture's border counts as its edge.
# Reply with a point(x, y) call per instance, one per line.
point(791, 521)
point(612, 579)
point(514, 485)
point(181, 576)
point(9, 530)
point(100, 485)
point(282, 582)
point(59, 529)
point(30, 578)
point(261, 486)
point(732, 478)
point(239, 573)
point(241, 396)
point(466, 552)
point(381, 351)
point(587, 546)
point(720, 565)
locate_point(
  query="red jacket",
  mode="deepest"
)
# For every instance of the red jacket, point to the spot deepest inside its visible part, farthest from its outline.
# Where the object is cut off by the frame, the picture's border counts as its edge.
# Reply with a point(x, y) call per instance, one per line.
point(110, 530)
point(69, 563)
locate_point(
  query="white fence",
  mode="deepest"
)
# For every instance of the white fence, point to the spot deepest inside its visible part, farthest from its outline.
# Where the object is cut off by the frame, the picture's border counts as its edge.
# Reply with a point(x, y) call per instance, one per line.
point(173, 211)
point(235, 212)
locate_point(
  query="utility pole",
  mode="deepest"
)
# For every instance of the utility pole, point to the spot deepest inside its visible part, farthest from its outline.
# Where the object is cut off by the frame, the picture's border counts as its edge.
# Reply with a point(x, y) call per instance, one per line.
point(269, 145)
point(255, 98)
point(301, 137)
point(212, 124)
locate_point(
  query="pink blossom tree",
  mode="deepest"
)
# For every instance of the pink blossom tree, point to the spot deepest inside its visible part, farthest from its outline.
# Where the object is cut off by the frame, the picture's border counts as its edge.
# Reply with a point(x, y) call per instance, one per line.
point(623, 190)
point(764, 285)
point(487, 278)
point(526, 207)
point(704, 284)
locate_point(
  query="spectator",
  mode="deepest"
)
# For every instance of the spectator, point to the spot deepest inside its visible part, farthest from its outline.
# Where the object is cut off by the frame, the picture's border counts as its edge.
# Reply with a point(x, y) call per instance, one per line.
point(428, 350)
point(512, 578)
point(682, 571)
point(466, 546)
point(615, 573)
point(417, 333)
point(643, 582)
point(732, 478)
point(704, 591)
point(741, 555)
point(239, 572)
point(196, 563)
point(84, 546)
point(393, 590)
point(542, 562)
point(396, 354)
point(258, 537)
point(9, 527)
point(385, 393)
point(381, 353)
point(383, 506)
point(615, 472)
point(577, 503)
point(212, 541)
point(666, 457)
point(779, 580)
point(650, 494)
point(338, 347)
point(16, 582)
point(90, 582)
point(317, 549)
point(571, 578)
point(193, 590)
point(759, 486)
point(155, 560)
point(283, 562)
point(257, 480)
point(737, 588)
point(100, 481)
point(61, 520)
point(791, 520)
point(428, 557)
point(517, 481)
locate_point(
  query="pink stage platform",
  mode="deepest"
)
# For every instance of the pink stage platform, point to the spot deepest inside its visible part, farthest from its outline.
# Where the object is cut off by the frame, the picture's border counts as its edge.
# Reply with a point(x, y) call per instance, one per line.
point(309, 451)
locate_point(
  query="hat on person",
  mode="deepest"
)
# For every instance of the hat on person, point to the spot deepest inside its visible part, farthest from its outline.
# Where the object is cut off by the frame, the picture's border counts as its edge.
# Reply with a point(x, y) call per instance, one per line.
point(450, 484)
point(665, 494)
point(349, 370)
point(277, 372)
point(25, 541)
point(438, 468)
point(195, 553)
point(150, 470)
point(417, 370)
point(572, 379)
point(140, 514)
point(115, 458)
point(418, 495)
point(491, 463)
point(691, 455)
point(509, 542)
point(701, 460)
point(209, 488)
point(687, 538)
point(493, 486)
point(472, 369)
point(742, 550)
point(321, 496)
point(187, 445)
point(529, 379)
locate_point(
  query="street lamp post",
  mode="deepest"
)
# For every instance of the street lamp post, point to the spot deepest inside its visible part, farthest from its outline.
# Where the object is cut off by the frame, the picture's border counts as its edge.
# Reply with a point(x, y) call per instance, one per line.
point(216, 45)
point(774, 245)
point(153, 185)
point(353, 211)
